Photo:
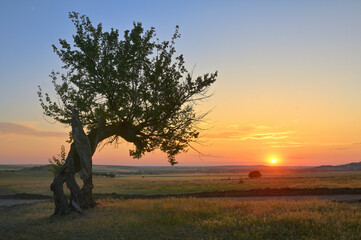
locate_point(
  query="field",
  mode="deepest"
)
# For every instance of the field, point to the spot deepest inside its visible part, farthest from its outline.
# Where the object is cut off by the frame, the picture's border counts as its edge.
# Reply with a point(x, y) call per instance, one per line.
point(165, 180)
point(184, 218)
point(187, 219)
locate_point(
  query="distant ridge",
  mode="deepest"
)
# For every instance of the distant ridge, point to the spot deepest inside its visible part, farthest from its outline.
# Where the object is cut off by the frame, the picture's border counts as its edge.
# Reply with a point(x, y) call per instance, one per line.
point(46, 167)
point(355, 166)
point(140, 170)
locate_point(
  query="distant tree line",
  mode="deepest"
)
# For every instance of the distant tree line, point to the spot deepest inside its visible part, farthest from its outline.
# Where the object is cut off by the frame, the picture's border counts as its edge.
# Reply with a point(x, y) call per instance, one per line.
point(103, 174)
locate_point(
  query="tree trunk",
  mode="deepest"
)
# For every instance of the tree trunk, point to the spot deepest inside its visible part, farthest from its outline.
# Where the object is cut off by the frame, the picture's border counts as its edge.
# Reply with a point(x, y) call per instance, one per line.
point(79, 159)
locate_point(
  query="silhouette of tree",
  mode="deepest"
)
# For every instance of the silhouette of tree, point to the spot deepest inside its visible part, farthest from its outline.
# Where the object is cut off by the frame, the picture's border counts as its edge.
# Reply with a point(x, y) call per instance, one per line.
point(135, 89)
point(254, 174)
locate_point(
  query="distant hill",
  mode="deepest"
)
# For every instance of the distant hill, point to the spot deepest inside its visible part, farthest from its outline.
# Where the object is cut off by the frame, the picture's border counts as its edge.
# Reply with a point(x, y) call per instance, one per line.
point(150, 170)
point(38, 168)
point(355, 166)
point(146, 170)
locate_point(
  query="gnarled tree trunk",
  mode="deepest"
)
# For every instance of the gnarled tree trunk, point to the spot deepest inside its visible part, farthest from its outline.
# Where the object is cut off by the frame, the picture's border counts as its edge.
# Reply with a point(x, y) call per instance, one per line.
point(79, 159)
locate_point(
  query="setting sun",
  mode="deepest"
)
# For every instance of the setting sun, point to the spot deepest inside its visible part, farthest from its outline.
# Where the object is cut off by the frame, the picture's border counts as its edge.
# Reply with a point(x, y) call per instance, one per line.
point(273, 160)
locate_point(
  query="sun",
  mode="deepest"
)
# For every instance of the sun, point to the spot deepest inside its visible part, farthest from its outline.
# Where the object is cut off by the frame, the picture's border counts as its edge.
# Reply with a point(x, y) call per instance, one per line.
point(273, 160)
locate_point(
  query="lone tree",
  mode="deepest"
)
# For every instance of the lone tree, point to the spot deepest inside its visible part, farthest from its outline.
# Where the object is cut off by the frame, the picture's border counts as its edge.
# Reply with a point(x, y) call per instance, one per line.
point(133, 88)
point(254, 174)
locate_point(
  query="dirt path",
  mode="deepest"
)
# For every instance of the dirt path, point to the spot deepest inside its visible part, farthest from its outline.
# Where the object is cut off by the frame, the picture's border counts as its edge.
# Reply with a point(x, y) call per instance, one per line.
point(290, 194)
point(13, 202)
point(338, 198)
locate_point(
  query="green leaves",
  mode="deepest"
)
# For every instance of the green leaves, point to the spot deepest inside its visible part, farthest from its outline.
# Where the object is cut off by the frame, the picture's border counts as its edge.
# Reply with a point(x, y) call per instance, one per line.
point(57, 162)
point(134, 80)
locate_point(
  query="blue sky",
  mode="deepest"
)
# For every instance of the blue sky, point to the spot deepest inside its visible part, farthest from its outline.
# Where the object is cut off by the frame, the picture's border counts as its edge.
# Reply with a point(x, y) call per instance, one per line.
point(216, 35)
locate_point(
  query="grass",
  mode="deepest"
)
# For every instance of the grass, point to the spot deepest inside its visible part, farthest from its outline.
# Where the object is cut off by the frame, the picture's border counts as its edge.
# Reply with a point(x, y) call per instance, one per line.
point(187, 218)
point(38, 182)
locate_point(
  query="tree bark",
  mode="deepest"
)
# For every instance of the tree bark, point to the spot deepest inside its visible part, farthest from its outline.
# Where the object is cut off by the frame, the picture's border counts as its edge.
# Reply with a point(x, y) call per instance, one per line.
point(79, 159)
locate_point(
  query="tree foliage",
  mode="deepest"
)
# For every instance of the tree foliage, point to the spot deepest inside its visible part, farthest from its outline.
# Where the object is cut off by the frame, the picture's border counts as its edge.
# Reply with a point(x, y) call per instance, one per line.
point(254, 174)
point(135, 84)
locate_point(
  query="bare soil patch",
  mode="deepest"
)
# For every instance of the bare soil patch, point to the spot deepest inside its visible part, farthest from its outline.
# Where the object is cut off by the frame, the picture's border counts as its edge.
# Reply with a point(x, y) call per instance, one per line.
point(331, 194)
point(13, 202)
point(351, 198)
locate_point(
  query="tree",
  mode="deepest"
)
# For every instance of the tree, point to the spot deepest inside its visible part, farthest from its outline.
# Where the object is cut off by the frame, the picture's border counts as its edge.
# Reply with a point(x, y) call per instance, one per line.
point(134, 88)
point(254, 174)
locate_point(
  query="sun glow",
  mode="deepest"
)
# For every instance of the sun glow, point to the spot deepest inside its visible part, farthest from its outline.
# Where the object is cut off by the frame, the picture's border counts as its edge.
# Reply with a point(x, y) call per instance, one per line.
point(273, 160)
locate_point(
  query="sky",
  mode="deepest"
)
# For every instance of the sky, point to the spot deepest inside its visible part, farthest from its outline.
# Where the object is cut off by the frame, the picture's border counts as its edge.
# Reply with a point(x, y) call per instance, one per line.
point(288, 87)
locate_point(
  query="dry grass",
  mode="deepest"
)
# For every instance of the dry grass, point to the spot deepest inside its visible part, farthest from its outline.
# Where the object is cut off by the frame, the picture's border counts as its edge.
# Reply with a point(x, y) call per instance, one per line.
point(187, 219)
point(39, 182)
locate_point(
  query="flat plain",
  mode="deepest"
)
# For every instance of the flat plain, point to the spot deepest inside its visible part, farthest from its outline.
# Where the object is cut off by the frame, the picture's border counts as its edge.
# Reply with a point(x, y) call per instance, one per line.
point(184, 218)
point(167, 180)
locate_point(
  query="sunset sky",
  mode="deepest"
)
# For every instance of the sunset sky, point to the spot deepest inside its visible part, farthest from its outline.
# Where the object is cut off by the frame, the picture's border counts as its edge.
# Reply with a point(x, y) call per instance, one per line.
point(289, 84)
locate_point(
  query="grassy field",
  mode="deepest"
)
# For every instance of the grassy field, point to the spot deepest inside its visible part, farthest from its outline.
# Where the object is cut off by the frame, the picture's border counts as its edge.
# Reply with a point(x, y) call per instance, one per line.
point(187, 219)
point(183, 218)
point(38, 181)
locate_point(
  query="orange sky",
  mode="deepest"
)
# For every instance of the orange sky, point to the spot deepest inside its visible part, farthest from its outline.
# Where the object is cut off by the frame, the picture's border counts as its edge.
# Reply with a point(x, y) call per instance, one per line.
point(289, 78)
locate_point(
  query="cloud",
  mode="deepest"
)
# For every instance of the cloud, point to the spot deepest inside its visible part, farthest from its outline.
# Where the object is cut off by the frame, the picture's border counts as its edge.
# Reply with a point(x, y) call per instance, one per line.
point(8, 128)
point(340, 148)
point(223, 135)
point(285, 144)
point(233, 134)
point(250, 133)
point(268, 135)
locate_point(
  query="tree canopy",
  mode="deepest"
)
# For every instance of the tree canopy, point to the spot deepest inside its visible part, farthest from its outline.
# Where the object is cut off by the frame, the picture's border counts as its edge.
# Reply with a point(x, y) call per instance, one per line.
point(132, 87)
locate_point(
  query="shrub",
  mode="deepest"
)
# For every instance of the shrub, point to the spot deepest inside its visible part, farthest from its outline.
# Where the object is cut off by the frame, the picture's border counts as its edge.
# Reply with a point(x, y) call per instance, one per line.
point(254, 174)
point(57, 162)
